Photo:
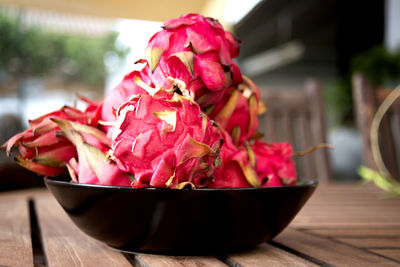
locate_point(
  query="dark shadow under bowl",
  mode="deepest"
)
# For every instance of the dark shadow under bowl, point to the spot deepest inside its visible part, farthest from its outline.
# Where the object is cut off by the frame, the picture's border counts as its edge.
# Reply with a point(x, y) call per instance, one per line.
point(180, 222)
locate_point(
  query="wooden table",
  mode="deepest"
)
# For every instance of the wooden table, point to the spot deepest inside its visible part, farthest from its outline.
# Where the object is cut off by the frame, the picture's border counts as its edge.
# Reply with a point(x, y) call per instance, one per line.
point(341, 225)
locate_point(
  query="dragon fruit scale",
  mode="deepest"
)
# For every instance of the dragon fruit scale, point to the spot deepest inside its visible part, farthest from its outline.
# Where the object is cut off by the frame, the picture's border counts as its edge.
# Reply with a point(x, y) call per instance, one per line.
point(274, 165)
point(165, 142)
point(238, 111)
point(235, 170)
point(120, 94)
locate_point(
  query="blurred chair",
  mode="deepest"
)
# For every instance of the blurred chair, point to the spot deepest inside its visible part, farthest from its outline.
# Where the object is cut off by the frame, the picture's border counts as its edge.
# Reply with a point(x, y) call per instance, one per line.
point(13, 176)
point(366, 101)
point(298, 117)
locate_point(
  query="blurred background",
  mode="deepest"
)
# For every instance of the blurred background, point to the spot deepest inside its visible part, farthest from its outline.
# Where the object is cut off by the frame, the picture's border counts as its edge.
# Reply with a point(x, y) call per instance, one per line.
point(51, 50)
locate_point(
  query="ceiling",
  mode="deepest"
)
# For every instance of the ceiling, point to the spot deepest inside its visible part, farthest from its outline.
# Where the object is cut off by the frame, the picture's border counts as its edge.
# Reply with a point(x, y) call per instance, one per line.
point(155, 10)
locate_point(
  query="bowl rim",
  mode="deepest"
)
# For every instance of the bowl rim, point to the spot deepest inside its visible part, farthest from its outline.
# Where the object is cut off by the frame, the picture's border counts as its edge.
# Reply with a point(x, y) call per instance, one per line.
point(55, 181)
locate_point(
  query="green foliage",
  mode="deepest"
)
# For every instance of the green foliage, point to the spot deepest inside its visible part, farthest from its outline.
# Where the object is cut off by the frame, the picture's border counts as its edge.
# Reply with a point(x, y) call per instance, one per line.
point(33, 51)
point(338, 97)
point(378, 64)
point(387, 184)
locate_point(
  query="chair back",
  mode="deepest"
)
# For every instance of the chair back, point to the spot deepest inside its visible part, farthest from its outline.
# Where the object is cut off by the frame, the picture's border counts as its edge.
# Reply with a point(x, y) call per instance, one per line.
point(366, 101)
point(298, 116)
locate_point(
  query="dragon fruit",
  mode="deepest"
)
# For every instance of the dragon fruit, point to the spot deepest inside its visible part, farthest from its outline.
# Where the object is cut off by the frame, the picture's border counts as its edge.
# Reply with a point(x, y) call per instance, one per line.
point(121, 93)
point(274, 164)
point(47, 146)
point(236, 170)
point(194, 53)
point(187, 119)
point(238, 112)
point(42, 149)
point(92, 164)
point(165, 142)
point(260, 164)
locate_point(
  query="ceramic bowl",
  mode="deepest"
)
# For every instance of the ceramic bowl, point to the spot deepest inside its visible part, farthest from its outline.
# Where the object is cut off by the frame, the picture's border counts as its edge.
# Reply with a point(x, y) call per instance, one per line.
point(180, 222)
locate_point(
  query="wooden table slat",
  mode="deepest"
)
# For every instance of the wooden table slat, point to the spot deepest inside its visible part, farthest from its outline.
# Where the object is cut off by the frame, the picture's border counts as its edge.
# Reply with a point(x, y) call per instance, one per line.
point(329, 251)
point(390, 253)
point(346, 205)
point(371, 242)
point(15, 235)
point(355, 232)
point(66, 245)
point(267, 255)
point(150, 260)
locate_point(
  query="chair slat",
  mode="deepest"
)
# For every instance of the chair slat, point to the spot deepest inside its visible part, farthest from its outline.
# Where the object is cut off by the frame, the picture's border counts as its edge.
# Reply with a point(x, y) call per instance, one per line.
point(270, 127)
point(388, 150)
point(395, 125)
point(304, 133)
point(298, 117)
point(287, 133)
point(365, 108)
point(318, 129)
point(366, 101)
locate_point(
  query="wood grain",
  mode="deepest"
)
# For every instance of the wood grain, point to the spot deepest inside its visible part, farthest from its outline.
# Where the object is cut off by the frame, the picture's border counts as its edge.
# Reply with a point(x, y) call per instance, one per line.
point(329, 251)
point(390, 253)
point(149, 260)
point(356, 232)
point(371, 242)
point(66, 245)
point(353, 206)
point(25, 194)
point(15, 237)
point(267, 255)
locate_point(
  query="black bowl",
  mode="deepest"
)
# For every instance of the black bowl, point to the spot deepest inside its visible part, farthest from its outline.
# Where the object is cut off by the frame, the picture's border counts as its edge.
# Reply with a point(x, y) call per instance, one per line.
point(180, 222)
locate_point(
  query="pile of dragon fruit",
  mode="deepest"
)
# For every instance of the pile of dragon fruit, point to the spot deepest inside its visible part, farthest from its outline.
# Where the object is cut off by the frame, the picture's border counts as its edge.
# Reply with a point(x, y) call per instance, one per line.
point(187, 119)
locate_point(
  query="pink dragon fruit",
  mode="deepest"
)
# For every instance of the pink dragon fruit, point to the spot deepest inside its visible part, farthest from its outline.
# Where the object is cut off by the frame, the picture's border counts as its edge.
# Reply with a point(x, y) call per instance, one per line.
point(260, 164)
point(135, 83)
point(42, 149)
point(165, 142)
point(236, 170)
point(274, 164)
point(54, 142)
point(238, 112)
point(194, 53)
point(92, 164)
point(121, 93)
